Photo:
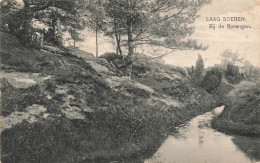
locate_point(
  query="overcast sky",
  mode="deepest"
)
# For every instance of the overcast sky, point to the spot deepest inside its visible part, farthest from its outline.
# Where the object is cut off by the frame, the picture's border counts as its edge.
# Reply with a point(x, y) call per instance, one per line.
point(246, 42)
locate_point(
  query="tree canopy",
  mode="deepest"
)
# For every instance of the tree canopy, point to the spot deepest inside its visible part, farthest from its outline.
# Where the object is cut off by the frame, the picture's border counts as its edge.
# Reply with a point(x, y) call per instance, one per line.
point(230, 57)
point(156, 23)
point(56, 15)
point(199, 70)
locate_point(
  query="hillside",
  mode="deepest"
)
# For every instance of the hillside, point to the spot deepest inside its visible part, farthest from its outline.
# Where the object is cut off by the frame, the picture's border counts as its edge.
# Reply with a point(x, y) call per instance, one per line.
point(242, 113)
point(57, 98)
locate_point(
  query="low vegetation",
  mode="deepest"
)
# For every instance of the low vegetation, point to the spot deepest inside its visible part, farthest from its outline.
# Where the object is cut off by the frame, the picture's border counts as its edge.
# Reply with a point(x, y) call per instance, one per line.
point(85, 114)
point(212, 80)
point(242, 113)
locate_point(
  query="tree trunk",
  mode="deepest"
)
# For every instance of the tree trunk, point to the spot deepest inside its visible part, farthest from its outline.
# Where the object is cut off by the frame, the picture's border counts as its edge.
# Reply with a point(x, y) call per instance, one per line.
point(118, 39)
point(53, 34)
point(130, 41)
point(41, 39)
point(74, 43)
point(24, 30)
point(118, 44)
point(130, 47)
point(96, 42)
point(59, 33)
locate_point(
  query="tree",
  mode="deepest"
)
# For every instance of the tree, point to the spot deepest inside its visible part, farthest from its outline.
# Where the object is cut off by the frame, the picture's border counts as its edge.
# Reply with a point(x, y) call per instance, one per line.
point(75, 35)
point(212, 79)
point(231, 62)
point(115, 22)
point(63, 16)
point(251, 71)
point(17, 20)
point(230, 57)
point(199, 70)
point(97, 18)
point(53, 13)
point(157, 23)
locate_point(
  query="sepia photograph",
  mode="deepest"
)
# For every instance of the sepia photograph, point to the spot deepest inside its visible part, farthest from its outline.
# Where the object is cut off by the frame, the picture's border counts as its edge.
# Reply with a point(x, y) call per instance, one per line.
point(130, 81)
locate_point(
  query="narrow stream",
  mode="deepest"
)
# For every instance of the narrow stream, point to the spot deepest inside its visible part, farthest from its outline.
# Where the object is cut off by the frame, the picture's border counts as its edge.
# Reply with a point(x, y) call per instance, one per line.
point(197, 142)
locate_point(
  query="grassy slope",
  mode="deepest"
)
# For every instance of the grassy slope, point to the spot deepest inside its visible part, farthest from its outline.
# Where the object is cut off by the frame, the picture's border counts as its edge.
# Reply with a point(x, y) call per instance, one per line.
point(242, 113)
point(124, 120)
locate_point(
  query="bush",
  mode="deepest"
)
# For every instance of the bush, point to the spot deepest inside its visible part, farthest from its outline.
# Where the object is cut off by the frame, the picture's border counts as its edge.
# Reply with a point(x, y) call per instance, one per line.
point(245, 92)
point(241, 115)
point(180, 70)
point(139, 68)
point(232, 74)
point(139, 92)
point(199, 71)
point(180, 91)
point(111, 56)
point(212, 80)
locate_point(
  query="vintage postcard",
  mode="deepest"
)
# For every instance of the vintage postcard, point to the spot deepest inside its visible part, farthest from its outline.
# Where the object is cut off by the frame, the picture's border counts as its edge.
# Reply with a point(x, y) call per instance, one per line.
point(142, 81)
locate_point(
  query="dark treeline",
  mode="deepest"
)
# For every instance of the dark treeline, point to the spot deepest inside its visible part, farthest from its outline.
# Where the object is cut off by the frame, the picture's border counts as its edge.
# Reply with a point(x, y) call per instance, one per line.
point(232, 70)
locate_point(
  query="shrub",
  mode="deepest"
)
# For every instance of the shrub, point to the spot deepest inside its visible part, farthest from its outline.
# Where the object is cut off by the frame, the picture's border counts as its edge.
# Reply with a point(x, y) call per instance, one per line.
point(199, 70)
point(245, 92)
point(111, 56)
point(232, 74)
point(139, 92)
point(189, 71)
point(181, 70)
point(139, 68)
point(212, 80)
point(241, 115)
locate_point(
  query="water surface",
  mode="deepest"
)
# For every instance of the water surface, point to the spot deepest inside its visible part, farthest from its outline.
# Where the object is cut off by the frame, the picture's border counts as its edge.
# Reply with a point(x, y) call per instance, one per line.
point(197, 142)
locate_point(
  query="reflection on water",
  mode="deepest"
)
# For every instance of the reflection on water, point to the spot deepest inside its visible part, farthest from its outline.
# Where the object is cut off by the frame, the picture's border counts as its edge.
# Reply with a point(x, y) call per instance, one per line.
point(197, 142)
point(251, 147)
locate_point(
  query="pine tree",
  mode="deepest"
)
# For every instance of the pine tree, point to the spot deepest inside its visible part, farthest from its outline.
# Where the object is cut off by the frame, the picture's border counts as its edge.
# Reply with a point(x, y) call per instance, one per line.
point(199, 70)
point(55, 14)
point(163, 23)
point(96, 18)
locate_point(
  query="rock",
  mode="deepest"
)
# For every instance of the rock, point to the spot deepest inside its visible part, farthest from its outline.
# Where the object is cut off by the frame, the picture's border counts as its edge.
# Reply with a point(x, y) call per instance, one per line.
point(144, 87)
point(61, 90)
point(98, 67)
point(80, 53)
point(168, 101)
point(49, 97)
point(30, 115)
point(114, 81)
point(105, 63)
point(19, 80)
point(24, 80)
point(45, 115)
point(73, 112)
point(53, 49)
point(88, 109)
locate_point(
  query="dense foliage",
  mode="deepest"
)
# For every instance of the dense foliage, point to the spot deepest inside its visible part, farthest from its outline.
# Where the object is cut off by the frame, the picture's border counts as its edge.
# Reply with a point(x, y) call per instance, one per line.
point(198, 72)
point(27, 19)
point(212, 79)
point(242, 112)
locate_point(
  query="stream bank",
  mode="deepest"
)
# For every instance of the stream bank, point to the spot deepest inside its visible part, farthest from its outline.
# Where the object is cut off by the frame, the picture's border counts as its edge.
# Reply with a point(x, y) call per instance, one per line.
point(242, 112)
